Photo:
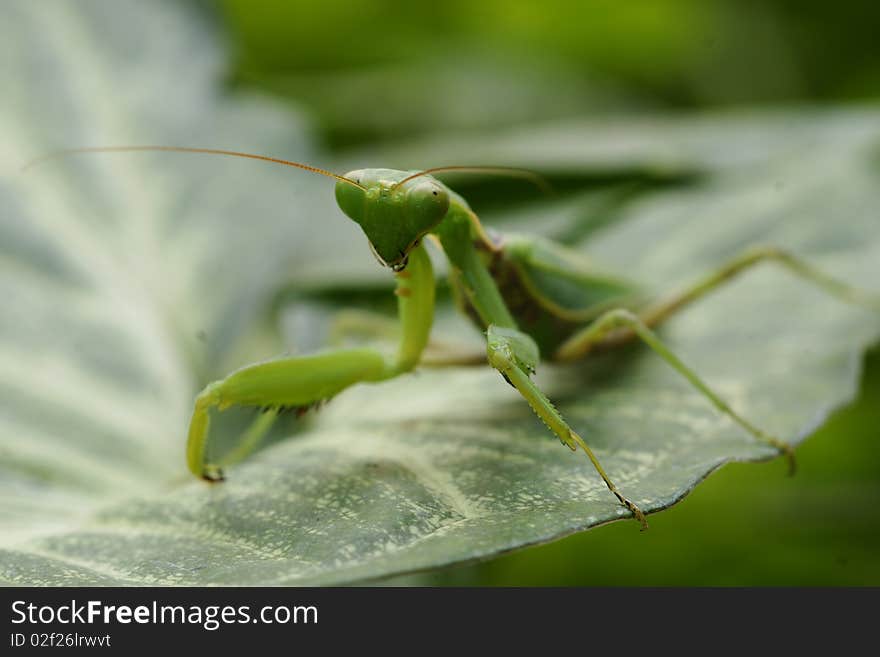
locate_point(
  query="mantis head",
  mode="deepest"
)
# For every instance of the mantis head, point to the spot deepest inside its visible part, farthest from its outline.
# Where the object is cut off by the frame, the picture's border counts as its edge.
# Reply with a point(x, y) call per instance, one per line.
point(395, 209)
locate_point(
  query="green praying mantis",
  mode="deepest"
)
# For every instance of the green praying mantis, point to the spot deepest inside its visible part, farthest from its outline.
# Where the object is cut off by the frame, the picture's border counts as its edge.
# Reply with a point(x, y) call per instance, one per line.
point(531, 297)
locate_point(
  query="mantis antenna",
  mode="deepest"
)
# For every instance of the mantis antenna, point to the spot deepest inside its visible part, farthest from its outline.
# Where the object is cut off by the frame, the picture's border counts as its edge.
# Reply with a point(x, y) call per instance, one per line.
point(183, 149)
point(535, 178)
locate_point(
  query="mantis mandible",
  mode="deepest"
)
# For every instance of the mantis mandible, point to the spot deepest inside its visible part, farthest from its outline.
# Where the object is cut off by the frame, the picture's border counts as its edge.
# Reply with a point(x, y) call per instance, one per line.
point(532, 298)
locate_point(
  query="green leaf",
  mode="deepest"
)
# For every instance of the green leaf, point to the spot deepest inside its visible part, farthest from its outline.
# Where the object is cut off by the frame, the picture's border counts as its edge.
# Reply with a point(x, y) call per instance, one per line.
point(128, 281)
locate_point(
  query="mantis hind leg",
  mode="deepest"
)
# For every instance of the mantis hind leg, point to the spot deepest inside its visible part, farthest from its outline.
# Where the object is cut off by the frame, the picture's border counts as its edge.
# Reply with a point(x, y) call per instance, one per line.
point(292, 383)
point(576, 346)
point(620, 326)
point(615, 321)
point(514, 355)
point(659, 311)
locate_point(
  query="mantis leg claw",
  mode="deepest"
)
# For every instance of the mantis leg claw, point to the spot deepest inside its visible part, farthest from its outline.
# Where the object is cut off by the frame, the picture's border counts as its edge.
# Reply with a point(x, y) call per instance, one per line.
point(213, 474)
point(636, 511)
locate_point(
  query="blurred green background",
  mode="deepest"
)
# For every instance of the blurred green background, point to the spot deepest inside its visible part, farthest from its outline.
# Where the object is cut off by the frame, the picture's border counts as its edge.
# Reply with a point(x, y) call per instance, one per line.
point(387, 69)
point(371, 73)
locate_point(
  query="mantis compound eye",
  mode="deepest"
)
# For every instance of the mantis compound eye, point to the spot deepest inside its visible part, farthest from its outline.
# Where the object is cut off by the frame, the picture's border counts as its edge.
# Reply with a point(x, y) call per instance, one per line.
point(427, 204)
point(352, 200)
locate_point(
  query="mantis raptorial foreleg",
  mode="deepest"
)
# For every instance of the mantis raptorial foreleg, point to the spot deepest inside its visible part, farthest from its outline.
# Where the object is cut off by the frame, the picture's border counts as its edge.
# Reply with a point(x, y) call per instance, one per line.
point(299, 383)
point(616, 320)
point(277, 385)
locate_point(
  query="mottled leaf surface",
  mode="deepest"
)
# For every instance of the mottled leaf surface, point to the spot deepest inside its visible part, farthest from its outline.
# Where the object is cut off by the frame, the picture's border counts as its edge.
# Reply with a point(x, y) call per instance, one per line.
point(129, 281)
